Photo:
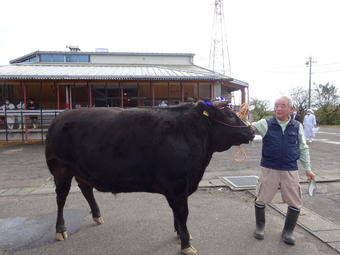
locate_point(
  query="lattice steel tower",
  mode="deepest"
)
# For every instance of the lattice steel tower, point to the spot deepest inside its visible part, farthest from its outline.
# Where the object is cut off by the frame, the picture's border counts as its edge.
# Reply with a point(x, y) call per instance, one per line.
point(219, 60)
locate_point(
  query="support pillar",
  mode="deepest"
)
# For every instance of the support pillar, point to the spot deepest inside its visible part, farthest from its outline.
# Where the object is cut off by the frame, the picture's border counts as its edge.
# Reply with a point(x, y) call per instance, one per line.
point(90, 95)
point(25, 96)
point(25, 126)
point(243, 96)
point(70, 97)
point(153, 94)
point(121, 97)
point(58, 97)
point(212, 93)
point(67, 97)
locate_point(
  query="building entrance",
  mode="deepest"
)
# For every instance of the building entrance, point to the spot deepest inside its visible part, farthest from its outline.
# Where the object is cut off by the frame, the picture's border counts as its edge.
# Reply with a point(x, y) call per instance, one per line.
point(106, 96)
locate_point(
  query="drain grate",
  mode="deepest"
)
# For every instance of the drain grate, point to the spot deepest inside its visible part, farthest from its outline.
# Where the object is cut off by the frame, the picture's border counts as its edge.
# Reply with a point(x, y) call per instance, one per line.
point(241, 182)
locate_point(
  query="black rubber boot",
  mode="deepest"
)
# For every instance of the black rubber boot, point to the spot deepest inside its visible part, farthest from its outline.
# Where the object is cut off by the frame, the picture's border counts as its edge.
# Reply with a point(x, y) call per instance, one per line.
point(291, 219)
point(260, 221)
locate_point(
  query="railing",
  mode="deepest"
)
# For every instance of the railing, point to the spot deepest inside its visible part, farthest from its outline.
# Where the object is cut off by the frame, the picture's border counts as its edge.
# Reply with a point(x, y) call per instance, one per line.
point(25, 125)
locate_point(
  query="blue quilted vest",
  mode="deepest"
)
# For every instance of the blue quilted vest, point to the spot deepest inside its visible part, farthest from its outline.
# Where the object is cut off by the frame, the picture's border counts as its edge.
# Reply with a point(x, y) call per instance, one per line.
point(280, 151)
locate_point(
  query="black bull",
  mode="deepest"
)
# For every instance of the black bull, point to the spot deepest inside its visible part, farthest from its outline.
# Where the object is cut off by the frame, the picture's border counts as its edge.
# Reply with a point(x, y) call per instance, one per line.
point(159, 150)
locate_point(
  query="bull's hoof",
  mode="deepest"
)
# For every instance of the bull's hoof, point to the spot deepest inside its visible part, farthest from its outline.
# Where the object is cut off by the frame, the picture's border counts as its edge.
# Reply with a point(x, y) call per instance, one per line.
point(98, 220)
point(61, 236)
point(189, 251)
point(179, 240)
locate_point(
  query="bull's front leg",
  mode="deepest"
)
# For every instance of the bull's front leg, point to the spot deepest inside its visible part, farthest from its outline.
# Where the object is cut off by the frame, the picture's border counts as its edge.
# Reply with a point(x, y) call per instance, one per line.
point(179, 206)
point(176, 228)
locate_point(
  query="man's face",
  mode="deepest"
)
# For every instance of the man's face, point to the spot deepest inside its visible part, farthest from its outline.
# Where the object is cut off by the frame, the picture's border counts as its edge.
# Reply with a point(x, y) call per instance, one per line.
point(282, 109)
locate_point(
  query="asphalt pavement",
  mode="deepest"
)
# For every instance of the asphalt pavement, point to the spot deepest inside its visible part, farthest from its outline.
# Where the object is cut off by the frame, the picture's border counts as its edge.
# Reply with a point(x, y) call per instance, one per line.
point(221, 221)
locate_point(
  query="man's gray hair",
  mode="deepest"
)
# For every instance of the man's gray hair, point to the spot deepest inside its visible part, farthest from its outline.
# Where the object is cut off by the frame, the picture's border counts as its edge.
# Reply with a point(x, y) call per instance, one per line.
point(289, 100)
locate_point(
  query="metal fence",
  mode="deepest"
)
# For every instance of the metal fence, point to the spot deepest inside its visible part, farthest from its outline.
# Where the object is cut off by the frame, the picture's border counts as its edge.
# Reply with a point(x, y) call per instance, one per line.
point(25, 125)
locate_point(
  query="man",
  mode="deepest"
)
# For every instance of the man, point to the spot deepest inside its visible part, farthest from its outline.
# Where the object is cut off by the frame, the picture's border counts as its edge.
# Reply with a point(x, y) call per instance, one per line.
point(33, 106)
point(309, 123)
point(163, 104)
point(283, 144)
point(295, 115)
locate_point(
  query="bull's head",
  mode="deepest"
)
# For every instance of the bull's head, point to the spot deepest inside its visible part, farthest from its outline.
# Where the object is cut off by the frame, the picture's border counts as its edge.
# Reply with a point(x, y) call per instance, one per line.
point(227, 128)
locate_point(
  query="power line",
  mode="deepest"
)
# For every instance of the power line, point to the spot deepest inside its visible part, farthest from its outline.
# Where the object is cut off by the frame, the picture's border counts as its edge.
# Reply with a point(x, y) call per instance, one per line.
point(296, 72)
point(297, 68)
point(329, 64)
point(332, 71)
point(280, 72)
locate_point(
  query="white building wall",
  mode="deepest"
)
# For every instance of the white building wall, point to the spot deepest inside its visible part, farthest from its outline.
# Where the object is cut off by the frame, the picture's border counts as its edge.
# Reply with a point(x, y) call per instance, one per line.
point(217, 89)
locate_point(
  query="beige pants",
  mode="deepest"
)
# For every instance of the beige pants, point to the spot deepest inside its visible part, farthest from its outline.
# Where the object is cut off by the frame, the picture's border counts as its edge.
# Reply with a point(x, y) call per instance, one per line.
point(271, 180)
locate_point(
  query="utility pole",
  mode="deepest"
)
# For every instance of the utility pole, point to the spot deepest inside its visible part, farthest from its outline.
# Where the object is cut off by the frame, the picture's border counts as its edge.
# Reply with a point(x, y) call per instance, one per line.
point(309, 63)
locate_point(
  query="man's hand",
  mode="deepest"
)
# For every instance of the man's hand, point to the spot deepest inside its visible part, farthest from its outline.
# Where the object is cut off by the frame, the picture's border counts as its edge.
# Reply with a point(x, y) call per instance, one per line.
point(310, 175)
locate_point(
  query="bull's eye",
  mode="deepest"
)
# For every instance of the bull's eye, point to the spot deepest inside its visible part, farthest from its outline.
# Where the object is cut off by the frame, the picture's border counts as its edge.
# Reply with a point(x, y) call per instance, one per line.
point(230, 114)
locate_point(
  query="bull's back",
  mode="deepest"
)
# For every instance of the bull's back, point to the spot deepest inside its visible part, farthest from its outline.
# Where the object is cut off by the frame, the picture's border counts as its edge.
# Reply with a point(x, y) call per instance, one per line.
point(115, 151)
point(91, 133)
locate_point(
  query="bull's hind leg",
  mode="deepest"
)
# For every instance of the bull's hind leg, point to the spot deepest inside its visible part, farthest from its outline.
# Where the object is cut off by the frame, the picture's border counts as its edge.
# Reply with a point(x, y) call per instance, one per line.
point(179, 206)
point(62, 181)
point(176, 228)
point(87, 191)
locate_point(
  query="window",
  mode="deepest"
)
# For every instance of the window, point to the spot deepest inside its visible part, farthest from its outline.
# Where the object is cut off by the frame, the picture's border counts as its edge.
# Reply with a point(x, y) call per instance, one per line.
point(106, 95)
point(52, 58)
point(64, 58)
point(32, 59)
point(78, 58)
point(130, 95)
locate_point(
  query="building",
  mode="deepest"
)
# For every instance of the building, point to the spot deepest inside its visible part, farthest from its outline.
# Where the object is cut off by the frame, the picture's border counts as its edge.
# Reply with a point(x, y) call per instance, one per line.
point(71, 79)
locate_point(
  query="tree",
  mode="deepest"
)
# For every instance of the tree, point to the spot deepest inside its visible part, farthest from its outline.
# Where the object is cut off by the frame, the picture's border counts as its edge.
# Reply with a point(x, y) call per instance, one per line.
point(327, 103)
point(325, 95)
point(260, 108)
point(328, 115)
point(299, 97)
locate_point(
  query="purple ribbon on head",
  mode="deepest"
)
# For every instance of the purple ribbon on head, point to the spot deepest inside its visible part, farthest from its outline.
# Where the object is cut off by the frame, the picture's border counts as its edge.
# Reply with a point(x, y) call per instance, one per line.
point(208, 102)
point(220, 99)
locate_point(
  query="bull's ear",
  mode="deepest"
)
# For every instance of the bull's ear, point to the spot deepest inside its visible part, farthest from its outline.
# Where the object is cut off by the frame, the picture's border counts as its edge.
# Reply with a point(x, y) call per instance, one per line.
point(205, 110)
point(219, 103)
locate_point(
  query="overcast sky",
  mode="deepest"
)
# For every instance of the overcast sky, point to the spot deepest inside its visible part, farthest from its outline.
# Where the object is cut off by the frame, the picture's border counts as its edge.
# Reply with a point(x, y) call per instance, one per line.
point(269, 40)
